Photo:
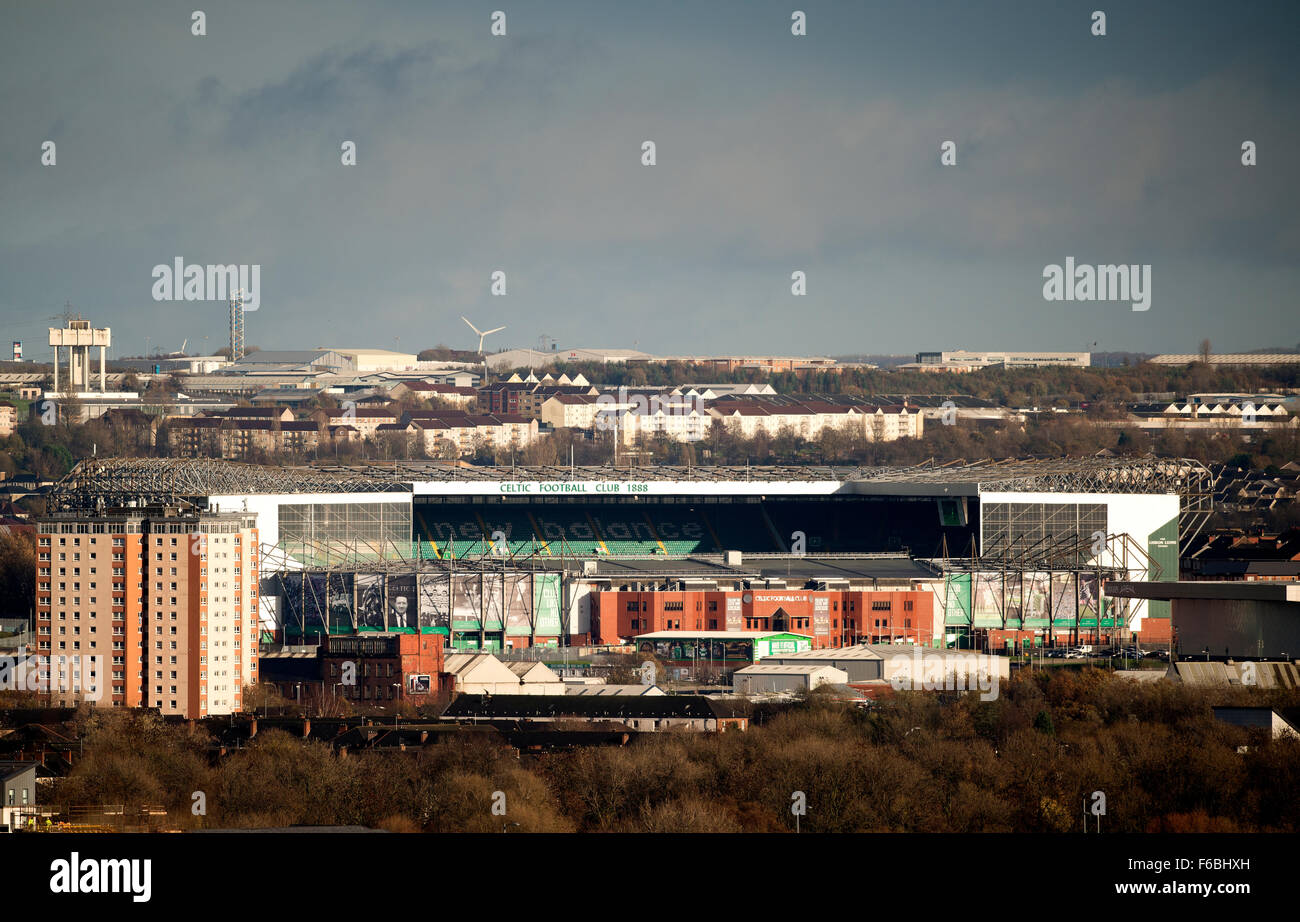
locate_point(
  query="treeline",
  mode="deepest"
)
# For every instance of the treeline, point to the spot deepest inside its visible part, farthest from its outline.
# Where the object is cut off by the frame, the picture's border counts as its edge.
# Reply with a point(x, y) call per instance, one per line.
point(1026, 762)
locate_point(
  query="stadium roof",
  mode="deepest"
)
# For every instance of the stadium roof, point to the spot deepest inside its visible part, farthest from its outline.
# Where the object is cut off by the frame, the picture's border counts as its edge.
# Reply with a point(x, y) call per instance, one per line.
point(166, 479)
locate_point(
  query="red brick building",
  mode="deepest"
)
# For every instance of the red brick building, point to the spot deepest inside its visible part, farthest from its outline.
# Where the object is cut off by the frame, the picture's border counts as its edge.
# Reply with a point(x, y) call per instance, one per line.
point(503, 397)
point(376, 668)
point(831, 618)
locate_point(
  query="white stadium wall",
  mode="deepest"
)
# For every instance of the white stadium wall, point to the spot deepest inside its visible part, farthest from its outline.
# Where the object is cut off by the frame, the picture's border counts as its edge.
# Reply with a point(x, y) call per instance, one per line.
point(1142, 516)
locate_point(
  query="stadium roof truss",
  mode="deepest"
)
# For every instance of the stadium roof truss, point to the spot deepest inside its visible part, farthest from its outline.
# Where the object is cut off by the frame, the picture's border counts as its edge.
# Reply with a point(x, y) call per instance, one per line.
point(1188, 478)
point(1122, 554)
point(98, 482)
point(207, 476)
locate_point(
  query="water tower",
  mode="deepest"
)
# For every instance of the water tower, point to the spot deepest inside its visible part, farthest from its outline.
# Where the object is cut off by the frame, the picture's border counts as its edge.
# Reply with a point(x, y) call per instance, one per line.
point(78, 337)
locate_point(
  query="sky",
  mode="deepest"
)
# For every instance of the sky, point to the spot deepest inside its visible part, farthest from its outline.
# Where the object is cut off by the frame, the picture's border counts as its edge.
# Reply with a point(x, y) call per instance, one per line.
point(775, 153)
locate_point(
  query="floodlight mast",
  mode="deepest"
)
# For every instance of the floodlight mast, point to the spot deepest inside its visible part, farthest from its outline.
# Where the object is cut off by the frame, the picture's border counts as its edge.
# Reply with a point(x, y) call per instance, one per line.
point(237, 325)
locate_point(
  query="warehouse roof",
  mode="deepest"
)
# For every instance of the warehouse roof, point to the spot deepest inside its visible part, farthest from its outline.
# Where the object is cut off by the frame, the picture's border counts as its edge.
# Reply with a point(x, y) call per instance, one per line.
point(610, 691)
point(609, 706)
point(283, 357)
point(1246, 716)
point(1216, 674)
point(1228, 358)
point(782, 669)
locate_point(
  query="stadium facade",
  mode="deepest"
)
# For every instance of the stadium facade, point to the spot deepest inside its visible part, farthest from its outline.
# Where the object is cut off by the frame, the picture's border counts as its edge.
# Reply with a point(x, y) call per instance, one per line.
point(497, 556)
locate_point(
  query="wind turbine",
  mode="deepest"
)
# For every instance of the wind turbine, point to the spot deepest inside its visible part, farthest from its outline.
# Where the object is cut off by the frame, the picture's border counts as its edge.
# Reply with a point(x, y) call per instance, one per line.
point(481, 333)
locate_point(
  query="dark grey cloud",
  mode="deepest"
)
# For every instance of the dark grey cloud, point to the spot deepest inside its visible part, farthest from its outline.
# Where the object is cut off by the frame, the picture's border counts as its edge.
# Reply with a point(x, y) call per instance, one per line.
point(775, 154)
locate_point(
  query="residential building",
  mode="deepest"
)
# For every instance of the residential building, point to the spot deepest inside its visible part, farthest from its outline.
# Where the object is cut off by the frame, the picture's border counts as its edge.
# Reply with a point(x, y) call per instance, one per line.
point(18, 788)
point(238, 439)
point(447, 433)
point(462, 397)
point(151, 606)
point(570, 411)
point(366, 420)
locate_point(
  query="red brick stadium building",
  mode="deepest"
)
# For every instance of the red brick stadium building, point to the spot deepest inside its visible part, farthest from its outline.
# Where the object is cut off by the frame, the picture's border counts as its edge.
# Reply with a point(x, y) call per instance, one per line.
point(831, 618)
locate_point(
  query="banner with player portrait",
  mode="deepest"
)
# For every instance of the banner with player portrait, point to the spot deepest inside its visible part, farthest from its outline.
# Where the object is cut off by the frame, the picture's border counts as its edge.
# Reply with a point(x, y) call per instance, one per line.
point(402, 604)
point(341, 604)
point(435, 603)
point(1065, 611)
point(370, 601)
point(1036, 600)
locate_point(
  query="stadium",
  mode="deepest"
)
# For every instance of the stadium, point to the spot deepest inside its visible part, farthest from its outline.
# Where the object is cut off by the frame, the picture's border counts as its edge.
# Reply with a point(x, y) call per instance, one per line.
point(501, 557)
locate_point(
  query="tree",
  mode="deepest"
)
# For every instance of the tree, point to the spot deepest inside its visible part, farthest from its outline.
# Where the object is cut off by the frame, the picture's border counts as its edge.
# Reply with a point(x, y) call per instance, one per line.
point(18, 571)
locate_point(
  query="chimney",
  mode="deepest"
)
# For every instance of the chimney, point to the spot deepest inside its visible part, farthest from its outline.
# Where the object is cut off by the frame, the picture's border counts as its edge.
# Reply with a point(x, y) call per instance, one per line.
point(306, 727)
